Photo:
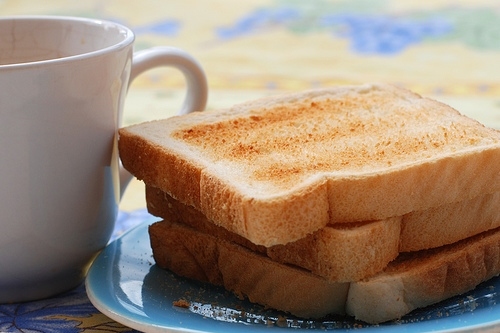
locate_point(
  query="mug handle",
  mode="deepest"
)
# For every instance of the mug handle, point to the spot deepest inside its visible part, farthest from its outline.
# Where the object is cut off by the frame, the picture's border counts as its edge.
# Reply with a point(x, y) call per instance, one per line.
point(197, 89)
point(196, 81)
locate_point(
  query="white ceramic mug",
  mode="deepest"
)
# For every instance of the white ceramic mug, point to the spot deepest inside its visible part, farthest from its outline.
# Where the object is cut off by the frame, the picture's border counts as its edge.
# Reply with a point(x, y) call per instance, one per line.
point(63, 82)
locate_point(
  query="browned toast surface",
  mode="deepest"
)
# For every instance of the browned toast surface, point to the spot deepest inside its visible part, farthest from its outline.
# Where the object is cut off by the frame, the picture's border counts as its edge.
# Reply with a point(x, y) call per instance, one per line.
point(310, 159)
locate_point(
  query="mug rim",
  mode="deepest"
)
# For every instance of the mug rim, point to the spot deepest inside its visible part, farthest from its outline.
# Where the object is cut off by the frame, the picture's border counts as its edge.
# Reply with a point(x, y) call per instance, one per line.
point(128, 39)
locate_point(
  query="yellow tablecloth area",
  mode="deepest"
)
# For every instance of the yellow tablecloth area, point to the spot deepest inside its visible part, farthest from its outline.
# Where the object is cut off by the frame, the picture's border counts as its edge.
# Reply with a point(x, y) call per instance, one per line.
point(447, 49)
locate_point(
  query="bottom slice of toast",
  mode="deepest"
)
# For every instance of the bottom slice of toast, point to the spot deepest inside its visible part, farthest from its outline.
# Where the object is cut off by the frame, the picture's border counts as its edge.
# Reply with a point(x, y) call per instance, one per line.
point(413, 280)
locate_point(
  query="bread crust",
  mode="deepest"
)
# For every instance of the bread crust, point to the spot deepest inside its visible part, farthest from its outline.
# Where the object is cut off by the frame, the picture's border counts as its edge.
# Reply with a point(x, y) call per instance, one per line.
point(422, 278)
point(347, 154)
point(205, 258)
point(339, 253)
point(350, 252)
point(411, 281)
point(449, 223)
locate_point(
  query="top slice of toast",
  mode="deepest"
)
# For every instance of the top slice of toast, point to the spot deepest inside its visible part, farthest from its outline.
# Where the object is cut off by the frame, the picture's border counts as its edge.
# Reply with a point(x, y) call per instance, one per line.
point(279, 168)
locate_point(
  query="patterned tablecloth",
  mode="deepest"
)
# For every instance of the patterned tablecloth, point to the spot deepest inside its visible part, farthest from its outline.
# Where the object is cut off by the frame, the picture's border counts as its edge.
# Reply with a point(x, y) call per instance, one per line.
point(446, 49)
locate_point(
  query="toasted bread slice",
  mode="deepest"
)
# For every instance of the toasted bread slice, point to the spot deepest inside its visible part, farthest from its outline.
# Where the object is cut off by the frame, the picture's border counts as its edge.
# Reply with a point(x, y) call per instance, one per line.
point(411, 281)
point(277, 169)
point(352, 251)
point(202, 257)
point(449, 223)
point(343, 252)
point(417, 279)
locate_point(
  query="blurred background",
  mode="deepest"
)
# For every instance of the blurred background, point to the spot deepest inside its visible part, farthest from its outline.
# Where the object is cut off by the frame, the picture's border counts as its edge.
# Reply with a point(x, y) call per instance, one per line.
point(446, 49)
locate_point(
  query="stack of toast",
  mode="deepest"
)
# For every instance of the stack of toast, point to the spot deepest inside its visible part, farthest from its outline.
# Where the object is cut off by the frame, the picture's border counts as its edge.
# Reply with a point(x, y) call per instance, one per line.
point(366, 200)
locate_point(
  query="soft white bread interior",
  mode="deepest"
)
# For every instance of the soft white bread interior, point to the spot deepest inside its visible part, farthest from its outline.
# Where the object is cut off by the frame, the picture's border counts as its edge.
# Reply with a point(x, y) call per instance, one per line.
point(352, 251)
point(277, 169)
point(409, 282)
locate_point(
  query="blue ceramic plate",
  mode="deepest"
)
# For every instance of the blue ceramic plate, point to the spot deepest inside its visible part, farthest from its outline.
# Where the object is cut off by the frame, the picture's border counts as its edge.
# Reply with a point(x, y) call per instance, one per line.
point(126, 285)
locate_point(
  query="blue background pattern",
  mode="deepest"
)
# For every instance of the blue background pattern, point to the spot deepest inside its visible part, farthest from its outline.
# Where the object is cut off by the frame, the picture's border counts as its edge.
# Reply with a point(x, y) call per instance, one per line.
point(372, 32)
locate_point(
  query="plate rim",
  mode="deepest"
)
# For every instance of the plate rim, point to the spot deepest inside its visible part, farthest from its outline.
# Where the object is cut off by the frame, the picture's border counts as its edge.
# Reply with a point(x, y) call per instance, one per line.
point(125, 318)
